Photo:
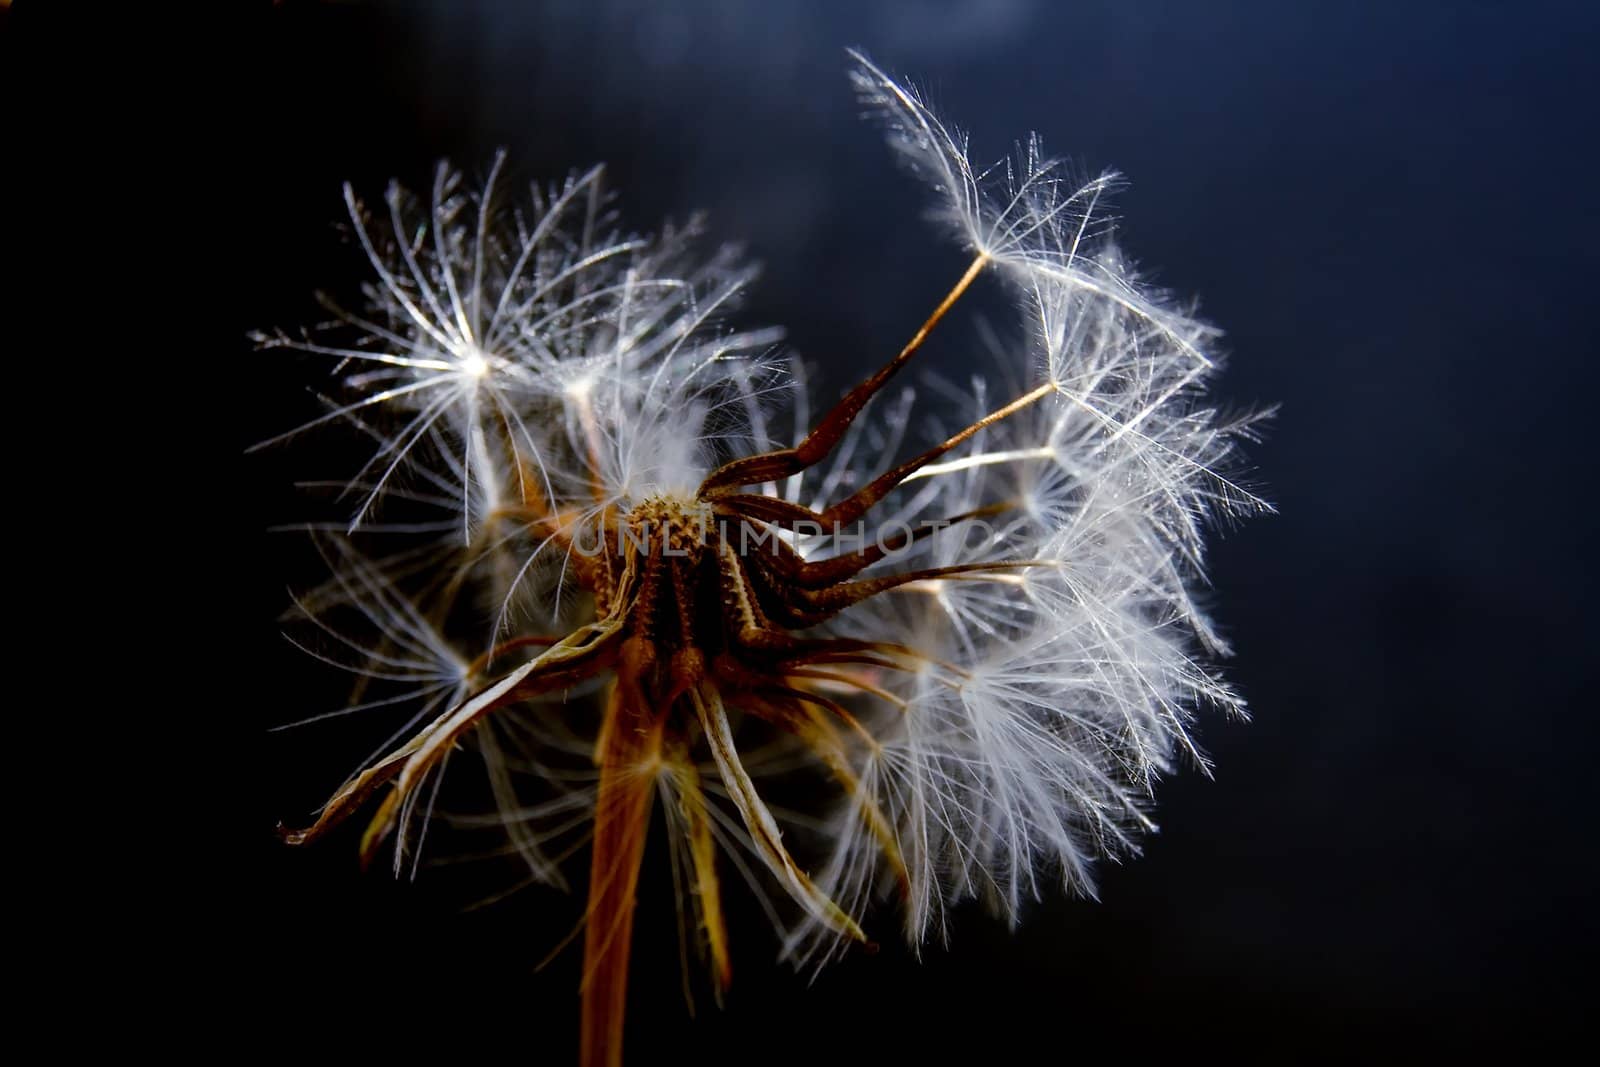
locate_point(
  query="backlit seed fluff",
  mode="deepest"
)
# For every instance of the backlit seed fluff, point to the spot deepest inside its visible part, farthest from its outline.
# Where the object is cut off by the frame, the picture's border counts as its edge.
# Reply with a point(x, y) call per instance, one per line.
point(604, 543)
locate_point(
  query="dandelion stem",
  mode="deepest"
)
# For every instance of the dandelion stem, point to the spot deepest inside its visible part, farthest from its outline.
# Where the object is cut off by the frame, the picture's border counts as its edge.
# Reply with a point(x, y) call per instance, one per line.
point(630, 744)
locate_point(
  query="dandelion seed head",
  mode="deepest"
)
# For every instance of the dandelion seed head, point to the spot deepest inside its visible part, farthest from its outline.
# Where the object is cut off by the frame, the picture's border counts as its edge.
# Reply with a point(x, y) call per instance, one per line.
point(636, 579)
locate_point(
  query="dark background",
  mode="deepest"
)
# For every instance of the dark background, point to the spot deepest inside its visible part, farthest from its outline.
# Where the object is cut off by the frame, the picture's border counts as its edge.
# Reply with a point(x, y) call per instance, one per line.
point(1391, 210)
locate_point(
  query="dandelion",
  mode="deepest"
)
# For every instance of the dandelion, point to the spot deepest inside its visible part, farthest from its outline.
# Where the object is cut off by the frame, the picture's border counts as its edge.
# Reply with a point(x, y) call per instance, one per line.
point(626, 586)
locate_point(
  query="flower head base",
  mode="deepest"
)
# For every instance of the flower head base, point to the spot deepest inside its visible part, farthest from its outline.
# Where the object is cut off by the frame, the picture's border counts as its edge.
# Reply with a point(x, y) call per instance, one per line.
point(986, 652)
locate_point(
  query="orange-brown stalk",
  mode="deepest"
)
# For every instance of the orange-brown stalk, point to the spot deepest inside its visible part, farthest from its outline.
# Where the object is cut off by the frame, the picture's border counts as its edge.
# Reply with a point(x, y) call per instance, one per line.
point(629, 754)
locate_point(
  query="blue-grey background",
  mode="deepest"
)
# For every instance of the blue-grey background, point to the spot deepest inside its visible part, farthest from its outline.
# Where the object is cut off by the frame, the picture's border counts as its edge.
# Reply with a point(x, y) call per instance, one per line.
point(1388, 206)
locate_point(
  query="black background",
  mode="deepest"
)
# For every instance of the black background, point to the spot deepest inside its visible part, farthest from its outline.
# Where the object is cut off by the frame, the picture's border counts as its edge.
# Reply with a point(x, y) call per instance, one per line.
point(1389, 207)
